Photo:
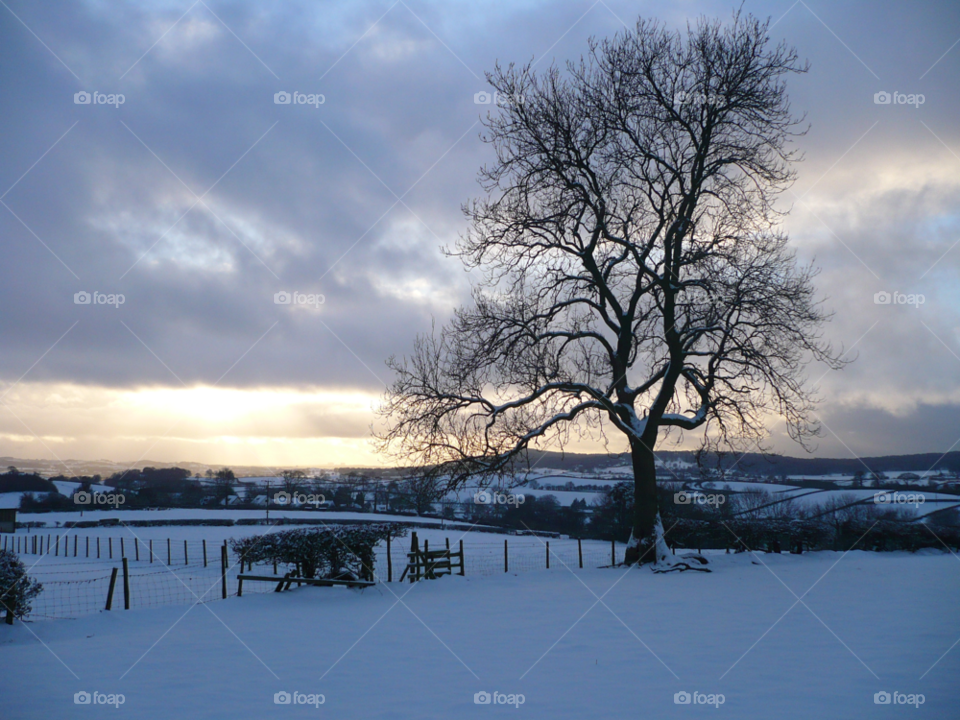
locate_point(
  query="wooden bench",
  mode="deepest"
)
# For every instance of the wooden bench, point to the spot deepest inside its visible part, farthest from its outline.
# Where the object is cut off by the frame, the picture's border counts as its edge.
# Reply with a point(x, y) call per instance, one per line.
point(284, 583)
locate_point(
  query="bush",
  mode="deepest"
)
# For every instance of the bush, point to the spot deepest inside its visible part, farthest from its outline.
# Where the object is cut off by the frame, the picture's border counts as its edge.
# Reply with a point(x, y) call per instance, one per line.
point(17, 588)
point(337, 552)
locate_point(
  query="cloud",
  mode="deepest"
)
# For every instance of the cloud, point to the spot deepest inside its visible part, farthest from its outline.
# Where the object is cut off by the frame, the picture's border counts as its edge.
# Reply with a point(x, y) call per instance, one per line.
point(200, 198)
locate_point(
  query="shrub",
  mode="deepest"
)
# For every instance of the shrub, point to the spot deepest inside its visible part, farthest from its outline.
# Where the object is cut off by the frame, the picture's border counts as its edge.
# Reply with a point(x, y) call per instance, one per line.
point(17, 588)
point(341, 552)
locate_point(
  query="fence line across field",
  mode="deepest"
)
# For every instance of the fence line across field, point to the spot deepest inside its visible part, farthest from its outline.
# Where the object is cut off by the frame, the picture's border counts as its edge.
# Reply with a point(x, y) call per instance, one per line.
point(82, 575)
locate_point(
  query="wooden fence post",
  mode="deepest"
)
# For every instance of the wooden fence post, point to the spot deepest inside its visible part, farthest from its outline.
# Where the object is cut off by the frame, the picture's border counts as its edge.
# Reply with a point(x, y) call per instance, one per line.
point(136, 549)
point(613, 553)
point(223, 568)
point(110, 547)
point(113, 584)
point(548, 554)
point(204, 553)
point(186, 559)
point(56, 547)
point(168, 552)
point(389, 561)
point(506, 562)
point(462, 560)
point(75, 538)
point(580, 552)
point(98, 548)
point(88, 546)
point(123, 551)
point(126, 584)
point(151, 551)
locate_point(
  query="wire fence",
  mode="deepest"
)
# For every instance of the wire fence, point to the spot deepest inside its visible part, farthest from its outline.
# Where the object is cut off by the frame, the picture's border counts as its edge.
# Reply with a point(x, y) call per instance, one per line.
point(84, 575)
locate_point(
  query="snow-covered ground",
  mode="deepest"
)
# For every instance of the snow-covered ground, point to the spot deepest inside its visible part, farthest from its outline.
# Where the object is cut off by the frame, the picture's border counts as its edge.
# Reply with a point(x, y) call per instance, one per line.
point(866, 623)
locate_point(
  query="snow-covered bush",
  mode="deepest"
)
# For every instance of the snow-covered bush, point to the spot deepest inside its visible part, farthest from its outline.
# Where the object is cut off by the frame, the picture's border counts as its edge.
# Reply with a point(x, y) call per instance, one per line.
point(17, 588)
point(343, 552)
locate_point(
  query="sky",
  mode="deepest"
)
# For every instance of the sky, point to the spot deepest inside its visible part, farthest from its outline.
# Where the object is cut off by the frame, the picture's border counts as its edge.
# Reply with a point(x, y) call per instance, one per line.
point(201, 200)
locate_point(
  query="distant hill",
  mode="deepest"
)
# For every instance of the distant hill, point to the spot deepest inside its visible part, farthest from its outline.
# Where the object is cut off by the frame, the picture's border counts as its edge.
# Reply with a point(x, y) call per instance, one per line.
point(749, 464)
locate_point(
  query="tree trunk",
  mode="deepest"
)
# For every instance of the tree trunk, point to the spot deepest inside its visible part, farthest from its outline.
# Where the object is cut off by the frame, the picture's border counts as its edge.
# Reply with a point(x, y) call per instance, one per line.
point(646, 510)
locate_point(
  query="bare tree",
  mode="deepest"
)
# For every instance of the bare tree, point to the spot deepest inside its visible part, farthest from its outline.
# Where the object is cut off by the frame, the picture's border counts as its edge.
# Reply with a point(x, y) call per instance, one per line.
point(634, 273)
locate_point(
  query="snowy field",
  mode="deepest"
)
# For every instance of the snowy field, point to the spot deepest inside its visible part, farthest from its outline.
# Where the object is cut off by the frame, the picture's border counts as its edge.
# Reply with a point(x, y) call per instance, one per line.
point(591, 643)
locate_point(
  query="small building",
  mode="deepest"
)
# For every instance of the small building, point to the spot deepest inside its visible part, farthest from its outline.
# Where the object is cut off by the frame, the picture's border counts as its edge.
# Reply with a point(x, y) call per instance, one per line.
point(8, 520)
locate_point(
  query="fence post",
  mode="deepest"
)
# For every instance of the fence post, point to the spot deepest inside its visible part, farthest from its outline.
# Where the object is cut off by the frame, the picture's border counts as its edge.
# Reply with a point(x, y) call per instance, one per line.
point(613, 553)
point(123, 550)
point(126, 584)
point(580, 552)
point(462, 560)
point(98, 547)
point(168, 552)
point(151, 551)
point(204, 553)
point(548, 554)
point(75, 538)
point(186, 560)
point(48, 544)
point(414, 557)
point(88, 546)
point(389, 561)
point(110, 547)
point(506, 563)
point(113, 584)
point(223, 568)
point(136, 549)
point(56, 547)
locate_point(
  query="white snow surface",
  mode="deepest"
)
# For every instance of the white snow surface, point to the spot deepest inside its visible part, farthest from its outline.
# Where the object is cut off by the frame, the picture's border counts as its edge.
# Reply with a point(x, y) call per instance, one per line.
point(870, 622)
